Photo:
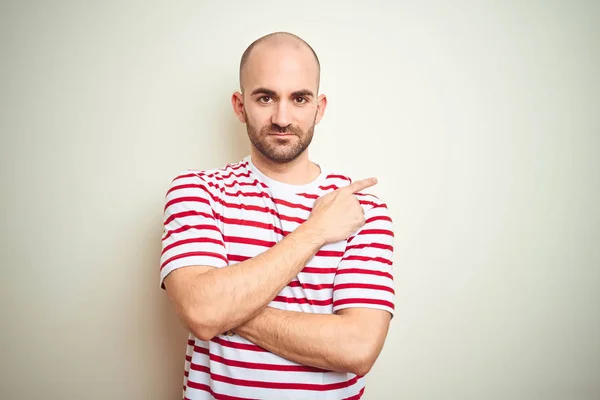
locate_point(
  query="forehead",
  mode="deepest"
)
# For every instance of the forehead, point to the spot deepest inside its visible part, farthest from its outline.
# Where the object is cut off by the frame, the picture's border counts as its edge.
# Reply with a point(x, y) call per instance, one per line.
point(282, 68)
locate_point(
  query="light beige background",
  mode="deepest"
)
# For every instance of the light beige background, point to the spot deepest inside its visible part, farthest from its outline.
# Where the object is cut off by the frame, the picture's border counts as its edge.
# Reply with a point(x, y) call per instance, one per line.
point(481, 121)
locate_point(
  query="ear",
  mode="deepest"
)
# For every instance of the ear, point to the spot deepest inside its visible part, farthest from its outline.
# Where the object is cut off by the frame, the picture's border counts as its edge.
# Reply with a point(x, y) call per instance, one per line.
point(321, 106)
point(237, 101)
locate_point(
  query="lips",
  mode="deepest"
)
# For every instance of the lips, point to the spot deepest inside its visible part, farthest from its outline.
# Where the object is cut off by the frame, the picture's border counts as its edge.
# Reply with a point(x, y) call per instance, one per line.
point(281, 134)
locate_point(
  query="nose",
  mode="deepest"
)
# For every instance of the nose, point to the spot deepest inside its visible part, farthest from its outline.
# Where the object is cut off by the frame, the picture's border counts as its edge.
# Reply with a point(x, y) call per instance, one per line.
point(282, 115)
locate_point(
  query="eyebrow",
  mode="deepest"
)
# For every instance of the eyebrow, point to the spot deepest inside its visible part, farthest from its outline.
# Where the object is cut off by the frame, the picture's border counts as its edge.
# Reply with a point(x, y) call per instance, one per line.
point(303, 92)
point(269, 92)
point(262, 90)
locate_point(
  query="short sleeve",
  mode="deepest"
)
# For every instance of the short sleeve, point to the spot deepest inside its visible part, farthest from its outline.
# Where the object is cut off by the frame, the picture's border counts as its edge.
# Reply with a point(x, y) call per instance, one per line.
point(364, 277)
point(191, 234)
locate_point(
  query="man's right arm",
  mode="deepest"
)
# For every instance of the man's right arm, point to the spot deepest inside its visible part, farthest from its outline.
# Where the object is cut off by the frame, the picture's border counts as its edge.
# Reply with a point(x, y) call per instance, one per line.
point(212, 300)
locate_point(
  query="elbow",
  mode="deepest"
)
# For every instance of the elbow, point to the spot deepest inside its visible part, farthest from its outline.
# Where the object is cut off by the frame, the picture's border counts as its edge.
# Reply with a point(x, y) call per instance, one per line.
point(361, 368)
point(202, 324)
point(203, 333)
point(363, 361)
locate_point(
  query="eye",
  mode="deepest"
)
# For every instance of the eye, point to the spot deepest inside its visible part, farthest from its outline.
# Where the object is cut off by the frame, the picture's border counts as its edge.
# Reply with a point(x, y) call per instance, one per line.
point(264, 99)
point(301, 100)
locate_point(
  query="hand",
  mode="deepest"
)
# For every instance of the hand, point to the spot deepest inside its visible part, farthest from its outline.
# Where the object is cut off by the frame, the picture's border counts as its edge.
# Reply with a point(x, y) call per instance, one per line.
point(337, 215)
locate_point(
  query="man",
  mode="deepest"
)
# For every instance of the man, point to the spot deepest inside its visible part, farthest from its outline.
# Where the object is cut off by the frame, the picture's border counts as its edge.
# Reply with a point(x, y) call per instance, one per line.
point(280, 269)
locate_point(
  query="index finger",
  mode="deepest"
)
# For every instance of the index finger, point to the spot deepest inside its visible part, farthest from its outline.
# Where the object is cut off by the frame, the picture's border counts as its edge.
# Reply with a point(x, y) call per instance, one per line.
point(357, 186)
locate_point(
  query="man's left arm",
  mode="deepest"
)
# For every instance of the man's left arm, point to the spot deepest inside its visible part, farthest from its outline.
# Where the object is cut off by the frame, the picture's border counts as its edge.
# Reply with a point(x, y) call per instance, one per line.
point(351, 339)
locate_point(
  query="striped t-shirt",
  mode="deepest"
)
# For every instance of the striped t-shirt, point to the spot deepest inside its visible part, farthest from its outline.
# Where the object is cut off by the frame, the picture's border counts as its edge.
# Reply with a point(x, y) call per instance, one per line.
point(221, 217)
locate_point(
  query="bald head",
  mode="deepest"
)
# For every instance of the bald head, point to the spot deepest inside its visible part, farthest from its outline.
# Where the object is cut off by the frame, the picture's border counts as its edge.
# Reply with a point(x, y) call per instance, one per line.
point(284, 44)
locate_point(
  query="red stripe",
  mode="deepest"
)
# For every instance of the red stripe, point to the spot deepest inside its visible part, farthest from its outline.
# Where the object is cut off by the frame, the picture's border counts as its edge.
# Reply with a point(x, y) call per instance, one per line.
point(236, 345)
point(356, 396)
point(312, 286)
point(186, 198)
point(362, 258)
point(245, 222)
point(236, 166)
point(188, 227)
point(201, 350)
point(249, 241)
point(357, 302)
point(194, 254)
point(374, 232)
point(237, 257)
point(334, 187)
point(382, 205)
point(206, 388)
point(190, 213)
point(367, 203)
point(238, 183)
point(372, 244)
point(187, 186)
point(193, 240)
point(265, 210)
point(339, 177)
point(292, 205)
point(379, 218)
point(363, 271)
point(184, 176)
point(308, 195)
point(239, 193)
point(341, 286)
point(275, 385)
point(329, 253)
point(364, 202)
point(219, 176)
point(303, 300)
point(298, 220)
point(317, 270)
point(260, 366)
point(243, 175)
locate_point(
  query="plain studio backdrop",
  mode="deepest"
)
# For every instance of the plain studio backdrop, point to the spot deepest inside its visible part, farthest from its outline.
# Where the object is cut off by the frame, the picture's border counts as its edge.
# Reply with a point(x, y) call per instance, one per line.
point(481, 121)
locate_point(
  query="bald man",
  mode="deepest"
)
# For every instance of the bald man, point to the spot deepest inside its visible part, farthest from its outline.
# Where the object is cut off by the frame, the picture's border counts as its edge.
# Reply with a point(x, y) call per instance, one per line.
point(280, 269)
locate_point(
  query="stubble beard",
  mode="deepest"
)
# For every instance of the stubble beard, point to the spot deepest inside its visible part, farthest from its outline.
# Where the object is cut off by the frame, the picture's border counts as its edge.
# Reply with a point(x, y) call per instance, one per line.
point(279, 150)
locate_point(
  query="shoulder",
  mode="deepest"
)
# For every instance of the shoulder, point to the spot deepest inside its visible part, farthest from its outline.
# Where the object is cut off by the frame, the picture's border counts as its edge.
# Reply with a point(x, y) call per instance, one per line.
point(213, 180)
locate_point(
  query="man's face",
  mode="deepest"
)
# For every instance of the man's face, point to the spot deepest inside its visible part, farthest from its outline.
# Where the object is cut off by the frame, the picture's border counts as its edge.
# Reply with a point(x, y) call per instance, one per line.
point(280, 101)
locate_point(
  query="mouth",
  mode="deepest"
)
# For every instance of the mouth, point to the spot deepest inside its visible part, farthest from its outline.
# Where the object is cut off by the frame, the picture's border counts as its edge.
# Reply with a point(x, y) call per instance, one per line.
point(281, 134)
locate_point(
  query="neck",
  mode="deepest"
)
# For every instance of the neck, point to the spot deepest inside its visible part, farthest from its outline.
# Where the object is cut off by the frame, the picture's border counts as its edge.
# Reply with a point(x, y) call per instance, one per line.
point(299, 171)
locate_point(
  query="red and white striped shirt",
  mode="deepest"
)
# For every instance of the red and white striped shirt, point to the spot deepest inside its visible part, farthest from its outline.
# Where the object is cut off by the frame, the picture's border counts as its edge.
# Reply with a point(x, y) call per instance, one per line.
point(221, 217)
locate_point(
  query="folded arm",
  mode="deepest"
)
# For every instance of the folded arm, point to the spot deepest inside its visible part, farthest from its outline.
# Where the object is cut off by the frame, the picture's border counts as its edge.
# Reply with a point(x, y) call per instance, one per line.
point(349, 341)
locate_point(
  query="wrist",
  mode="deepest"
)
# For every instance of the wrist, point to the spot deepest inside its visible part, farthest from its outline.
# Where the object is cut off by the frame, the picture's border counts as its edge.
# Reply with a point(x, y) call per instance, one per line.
point(312, 233)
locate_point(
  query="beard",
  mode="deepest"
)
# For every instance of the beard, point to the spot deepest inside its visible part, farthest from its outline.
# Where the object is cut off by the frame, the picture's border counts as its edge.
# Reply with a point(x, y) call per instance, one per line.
point(280, 150)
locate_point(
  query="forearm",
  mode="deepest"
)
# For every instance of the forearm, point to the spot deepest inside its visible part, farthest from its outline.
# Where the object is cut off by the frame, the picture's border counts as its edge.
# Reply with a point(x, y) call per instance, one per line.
point(224, 298)
point(328, 341)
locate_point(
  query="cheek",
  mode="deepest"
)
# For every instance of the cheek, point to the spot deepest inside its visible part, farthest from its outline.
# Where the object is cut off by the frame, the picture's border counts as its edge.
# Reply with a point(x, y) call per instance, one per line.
point(258, 116)
point(307, 118)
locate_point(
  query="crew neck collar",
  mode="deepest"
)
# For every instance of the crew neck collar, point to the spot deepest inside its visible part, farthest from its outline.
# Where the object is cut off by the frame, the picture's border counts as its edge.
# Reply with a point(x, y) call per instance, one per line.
point(285, 187)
